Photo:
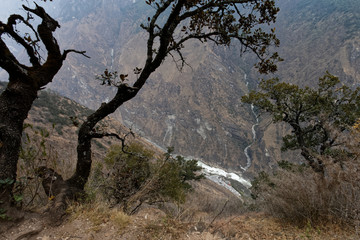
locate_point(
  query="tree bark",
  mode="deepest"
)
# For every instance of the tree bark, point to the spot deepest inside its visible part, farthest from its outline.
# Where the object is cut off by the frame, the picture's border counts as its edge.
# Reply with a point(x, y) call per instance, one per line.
point(15, 103)
point(21, 91)
point(161, 43)
point(87, 133)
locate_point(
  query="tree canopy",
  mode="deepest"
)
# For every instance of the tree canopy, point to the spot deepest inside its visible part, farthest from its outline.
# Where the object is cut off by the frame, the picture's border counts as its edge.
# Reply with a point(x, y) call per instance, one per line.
point(315, 115)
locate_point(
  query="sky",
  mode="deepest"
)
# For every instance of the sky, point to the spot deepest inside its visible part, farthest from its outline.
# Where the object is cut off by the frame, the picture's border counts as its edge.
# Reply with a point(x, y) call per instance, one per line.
point(9, 7)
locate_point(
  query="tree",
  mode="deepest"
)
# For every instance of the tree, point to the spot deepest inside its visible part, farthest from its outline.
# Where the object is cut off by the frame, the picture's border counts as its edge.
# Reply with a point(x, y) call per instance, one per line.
point(24, 83)
point(316, 116)
point(174, 23)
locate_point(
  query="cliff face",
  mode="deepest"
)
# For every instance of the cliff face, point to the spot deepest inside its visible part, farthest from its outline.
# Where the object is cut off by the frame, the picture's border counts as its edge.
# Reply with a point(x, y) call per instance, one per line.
point(198, 110)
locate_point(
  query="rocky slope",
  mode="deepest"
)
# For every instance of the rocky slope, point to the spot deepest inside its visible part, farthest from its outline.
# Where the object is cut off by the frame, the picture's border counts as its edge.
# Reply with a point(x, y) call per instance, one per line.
point(198, 111)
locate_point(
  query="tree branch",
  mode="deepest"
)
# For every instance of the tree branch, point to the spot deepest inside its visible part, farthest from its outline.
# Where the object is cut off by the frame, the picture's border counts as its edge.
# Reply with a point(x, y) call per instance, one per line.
point(31, 51)
point(45, 30)
point(66, 52)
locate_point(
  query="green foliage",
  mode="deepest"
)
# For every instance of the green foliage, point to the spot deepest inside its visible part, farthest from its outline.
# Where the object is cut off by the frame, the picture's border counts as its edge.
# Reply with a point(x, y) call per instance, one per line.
point(137, 176)
point(3, 214)
point(313, 114)
point(116, 153)
point(174, 174)
point(8, 183)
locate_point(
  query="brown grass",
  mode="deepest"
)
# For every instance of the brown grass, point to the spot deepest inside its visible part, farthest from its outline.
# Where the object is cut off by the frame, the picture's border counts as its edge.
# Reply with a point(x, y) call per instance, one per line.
point(305, 197)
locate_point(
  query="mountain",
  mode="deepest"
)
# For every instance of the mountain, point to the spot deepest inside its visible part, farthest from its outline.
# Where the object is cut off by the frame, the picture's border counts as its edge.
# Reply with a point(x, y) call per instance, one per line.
point(317, 36)
point(198, 110)
point(188, 110)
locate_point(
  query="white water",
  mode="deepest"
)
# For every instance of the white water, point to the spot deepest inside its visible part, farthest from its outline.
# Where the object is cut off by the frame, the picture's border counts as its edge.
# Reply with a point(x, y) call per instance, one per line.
point(208, 170)
point(112, 58)
point(217, 175)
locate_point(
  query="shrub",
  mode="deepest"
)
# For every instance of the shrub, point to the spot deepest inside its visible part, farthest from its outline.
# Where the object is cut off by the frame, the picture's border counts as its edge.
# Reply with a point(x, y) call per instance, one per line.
point(301, 196)
point(130, 171)
point(138, 177)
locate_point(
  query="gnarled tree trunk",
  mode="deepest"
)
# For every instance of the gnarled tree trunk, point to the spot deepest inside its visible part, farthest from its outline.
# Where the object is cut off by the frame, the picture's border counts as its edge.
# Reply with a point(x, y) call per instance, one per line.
point(15, 103)
point(213, 21)
point(24, 83)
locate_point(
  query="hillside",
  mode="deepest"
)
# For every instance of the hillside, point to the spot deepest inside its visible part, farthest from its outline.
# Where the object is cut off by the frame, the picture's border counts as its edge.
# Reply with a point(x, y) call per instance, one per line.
point(153, 224)
point(197, 113)
point(210, 211)
point(198, 110)
point(317, 36)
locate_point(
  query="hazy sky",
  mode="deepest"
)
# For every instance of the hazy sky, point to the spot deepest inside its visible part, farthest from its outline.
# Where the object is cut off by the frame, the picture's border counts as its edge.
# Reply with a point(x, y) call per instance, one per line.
point(9, 7)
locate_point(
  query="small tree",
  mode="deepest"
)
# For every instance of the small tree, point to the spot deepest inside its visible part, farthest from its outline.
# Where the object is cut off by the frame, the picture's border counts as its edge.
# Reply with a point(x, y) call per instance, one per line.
point(24, 83)
point(317, 116)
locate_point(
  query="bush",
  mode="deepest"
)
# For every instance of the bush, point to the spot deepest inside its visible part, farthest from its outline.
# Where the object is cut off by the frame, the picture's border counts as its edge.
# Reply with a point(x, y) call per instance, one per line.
point(301, 196)
point(130, 171)
point(138, 177)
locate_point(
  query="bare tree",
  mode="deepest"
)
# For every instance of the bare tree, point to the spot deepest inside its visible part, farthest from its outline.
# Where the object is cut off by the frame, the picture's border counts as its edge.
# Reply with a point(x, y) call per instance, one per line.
point(24, 84)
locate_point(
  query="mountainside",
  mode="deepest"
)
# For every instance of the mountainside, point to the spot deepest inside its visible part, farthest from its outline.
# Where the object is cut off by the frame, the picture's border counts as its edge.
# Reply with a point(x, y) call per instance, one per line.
point(60, 118)
point(198, 111)
point(317, 36)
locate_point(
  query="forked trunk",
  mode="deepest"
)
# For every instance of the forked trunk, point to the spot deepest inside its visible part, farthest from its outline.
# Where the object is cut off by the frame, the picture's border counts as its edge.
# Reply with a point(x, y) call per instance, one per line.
point(87, 133)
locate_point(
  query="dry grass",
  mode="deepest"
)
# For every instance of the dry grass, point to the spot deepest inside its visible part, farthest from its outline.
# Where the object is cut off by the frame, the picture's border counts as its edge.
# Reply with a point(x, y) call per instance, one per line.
point(99, 213)
point(301, 196)
point(120, 219)
point(305, 197)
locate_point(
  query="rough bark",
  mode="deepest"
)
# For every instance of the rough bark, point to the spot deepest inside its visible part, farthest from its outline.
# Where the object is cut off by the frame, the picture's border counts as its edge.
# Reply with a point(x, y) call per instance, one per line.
point(15, 103)
point(206, 21)
point(314, 162)
point(21, 91)
point(87, 132)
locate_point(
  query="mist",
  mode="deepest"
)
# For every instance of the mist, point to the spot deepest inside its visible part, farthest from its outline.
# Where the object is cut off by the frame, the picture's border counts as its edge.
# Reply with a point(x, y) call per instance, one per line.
point(9, 7)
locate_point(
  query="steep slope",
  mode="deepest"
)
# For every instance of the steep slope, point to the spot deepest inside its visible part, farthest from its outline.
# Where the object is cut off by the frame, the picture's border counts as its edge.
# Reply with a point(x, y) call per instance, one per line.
point(58, 119)
point(198, 111)
point(317, 36)
point(61, 117)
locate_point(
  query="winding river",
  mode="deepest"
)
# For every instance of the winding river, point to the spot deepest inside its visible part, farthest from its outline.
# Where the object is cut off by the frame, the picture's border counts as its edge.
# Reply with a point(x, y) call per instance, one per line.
point(253, 130)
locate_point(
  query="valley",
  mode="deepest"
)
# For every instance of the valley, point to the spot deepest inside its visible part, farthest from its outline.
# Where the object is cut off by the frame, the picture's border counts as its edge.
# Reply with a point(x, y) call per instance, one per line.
point(248, 187)
point(198, 110)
